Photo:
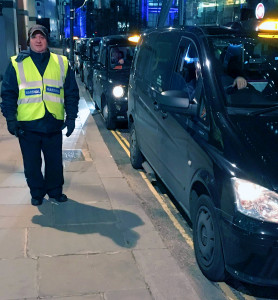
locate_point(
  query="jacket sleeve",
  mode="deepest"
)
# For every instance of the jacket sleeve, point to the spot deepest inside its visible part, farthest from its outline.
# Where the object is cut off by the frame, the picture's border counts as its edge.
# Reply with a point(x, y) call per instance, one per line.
point(71, 94)
point(9, 93)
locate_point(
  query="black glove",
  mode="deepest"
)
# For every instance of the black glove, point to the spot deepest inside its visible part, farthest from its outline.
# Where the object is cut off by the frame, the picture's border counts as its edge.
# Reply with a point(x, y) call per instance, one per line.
point(70, 124)
point(13, 127)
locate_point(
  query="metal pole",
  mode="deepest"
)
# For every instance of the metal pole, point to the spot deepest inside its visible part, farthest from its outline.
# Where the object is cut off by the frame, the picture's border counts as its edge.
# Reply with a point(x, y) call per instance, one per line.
point(71, 33)
point(166, 5)
point(181, 12)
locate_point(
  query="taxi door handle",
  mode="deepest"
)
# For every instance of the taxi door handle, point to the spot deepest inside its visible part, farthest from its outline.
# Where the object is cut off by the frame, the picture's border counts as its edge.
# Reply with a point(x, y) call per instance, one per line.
point(155, 106)
point(164, 114)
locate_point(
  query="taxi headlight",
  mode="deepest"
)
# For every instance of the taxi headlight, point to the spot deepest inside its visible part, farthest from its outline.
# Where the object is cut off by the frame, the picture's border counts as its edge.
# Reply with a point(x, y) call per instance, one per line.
point(255, 201)
point(118, 91)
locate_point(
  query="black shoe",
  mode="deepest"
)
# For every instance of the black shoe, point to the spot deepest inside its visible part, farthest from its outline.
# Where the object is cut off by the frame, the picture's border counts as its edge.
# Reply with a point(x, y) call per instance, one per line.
point(36, 202)
point(62, 198)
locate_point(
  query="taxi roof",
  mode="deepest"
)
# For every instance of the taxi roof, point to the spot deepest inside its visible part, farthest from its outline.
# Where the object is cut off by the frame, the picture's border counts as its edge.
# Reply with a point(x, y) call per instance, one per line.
point(205, 30)
point(116, 40)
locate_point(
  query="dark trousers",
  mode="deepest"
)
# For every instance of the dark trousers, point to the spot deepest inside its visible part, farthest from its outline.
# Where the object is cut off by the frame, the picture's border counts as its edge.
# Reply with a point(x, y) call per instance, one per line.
point(32, 145)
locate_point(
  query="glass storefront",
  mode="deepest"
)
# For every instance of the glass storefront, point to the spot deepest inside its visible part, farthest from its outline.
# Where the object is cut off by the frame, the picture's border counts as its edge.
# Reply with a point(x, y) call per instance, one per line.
point(225, 11)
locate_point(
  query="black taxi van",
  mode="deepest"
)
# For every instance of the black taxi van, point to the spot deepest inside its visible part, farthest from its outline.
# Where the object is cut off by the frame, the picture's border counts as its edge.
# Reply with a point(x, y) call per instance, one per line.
point(79, 56)
point(111, 75)
point(90, 59)
point(203, 112)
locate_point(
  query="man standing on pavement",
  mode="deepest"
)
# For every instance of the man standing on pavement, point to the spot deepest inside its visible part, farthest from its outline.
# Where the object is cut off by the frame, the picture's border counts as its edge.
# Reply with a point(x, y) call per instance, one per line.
point(38, 87)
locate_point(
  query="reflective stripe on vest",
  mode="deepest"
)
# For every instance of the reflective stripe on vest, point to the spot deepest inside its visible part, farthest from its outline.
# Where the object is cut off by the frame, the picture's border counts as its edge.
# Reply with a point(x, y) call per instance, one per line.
point(36, 92)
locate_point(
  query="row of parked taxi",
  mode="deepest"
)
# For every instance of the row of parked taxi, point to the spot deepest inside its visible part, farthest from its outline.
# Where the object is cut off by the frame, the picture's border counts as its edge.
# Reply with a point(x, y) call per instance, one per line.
point(202, 108)
point(104, 66)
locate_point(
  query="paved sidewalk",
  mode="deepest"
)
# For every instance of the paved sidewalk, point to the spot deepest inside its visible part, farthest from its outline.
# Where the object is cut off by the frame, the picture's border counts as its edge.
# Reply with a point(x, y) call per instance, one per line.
point(98, 245)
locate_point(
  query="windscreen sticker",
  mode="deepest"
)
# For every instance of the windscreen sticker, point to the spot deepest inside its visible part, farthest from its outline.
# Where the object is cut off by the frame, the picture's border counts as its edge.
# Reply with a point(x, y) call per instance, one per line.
point(259, 86)
point(31, 92)
point(53, 90)
point(159, 80)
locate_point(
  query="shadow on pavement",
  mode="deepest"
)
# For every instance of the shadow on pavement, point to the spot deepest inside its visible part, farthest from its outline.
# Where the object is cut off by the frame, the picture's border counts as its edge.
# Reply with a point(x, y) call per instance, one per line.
point(80, 218)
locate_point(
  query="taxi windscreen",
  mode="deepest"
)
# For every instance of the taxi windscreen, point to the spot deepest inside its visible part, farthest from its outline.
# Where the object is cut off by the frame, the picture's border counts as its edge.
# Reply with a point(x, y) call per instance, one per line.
point(120, 57)
point(247, 69)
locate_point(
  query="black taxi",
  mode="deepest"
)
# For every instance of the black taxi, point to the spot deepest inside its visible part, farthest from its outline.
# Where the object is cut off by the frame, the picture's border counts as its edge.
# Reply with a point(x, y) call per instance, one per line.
point(79, 56)
point(203, 112)
point(111, 75)
point(90, 59)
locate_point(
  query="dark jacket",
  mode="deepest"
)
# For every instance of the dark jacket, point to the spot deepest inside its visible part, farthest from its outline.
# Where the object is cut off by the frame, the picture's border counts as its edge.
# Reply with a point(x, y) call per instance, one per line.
point(9, 94)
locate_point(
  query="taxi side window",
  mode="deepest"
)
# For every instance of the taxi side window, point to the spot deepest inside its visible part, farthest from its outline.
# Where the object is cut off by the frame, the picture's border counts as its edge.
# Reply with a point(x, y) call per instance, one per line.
point(103, 56)
point(94, 52)
point(144, 62)
point(187, 76)
point(165, 50)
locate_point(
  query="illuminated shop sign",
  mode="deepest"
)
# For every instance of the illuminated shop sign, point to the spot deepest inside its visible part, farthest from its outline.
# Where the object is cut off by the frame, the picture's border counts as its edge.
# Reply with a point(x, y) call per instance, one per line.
point(260, 10)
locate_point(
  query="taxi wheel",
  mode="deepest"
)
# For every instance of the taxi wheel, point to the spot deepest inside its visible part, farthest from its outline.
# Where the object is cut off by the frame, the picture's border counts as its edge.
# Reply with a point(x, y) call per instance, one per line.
point(136, 157)
point(207, 243)
point(107, 115)
point(90, 85)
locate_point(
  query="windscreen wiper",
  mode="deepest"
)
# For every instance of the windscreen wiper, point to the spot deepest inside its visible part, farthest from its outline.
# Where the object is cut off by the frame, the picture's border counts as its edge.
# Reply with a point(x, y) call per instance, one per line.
point(262, 111)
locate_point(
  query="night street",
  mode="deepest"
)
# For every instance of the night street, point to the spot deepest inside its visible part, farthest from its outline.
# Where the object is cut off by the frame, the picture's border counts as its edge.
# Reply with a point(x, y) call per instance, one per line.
point(138, 150)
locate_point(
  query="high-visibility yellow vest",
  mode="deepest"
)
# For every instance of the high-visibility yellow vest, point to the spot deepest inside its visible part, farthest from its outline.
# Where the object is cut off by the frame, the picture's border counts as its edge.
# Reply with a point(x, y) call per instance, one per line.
point(36, 92)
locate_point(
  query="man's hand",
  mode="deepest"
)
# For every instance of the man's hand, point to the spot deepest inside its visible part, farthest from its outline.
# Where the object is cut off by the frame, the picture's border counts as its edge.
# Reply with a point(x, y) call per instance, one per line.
point(13, 127)
point(70, 124)
point(240, 83)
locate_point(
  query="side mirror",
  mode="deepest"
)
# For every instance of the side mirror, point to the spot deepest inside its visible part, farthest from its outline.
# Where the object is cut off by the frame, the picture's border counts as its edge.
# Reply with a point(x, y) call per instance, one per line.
point(176, 101)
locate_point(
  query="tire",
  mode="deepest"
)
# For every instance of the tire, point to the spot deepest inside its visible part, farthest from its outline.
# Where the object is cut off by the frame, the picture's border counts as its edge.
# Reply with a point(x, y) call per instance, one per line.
point(90, 85)
point(206, 238)
point(108, 118)
point(136, 157)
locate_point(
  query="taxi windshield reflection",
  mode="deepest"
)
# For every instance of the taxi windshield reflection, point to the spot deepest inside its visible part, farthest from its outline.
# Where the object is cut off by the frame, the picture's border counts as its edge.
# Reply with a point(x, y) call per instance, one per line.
point(254, 60)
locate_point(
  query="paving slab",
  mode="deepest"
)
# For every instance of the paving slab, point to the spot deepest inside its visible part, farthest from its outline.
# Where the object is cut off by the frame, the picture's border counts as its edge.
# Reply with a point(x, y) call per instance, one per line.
point(81, 178)
point(23, 215)
point(22, 210)
point(12, 243)
point(141, 294)
point(77, 239)
point(79, 166)
point(75, 213)
point(88, 297)
point(87, 193)
point(24, 222)
point(119, 192)
point(77, 141)
point(147, 240)
point(163, 275)
point(12, 180)
point(19, 279)
point(11, 166)
point(97, 150)
point(76, 274)
point(107, 167)
point(15, 195)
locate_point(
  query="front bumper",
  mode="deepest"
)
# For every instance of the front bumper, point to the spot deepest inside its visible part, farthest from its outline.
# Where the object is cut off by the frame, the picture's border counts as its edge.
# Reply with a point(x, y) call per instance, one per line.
point(250, 249)
point(119, 108)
